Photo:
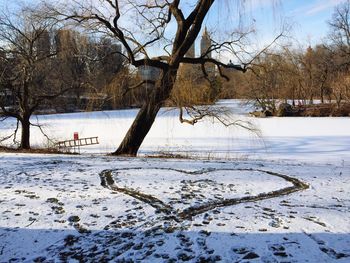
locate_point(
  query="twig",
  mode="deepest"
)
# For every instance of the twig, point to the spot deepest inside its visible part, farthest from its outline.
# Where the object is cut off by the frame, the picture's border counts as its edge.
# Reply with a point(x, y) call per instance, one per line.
point(31, 223)
point(41, 130)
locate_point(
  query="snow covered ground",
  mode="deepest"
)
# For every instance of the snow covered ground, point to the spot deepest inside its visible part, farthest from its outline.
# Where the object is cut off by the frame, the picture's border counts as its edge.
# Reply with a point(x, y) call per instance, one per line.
point(282, 197)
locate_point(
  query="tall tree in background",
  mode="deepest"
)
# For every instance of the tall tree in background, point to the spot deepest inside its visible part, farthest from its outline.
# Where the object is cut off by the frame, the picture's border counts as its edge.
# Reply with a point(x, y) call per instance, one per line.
point(339, 39)
point(340, 29)
point(26, 69)
point(308, 68)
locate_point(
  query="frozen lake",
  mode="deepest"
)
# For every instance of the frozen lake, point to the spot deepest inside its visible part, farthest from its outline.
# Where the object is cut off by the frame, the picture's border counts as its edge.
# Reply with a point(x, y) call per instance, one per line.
point(293, 138)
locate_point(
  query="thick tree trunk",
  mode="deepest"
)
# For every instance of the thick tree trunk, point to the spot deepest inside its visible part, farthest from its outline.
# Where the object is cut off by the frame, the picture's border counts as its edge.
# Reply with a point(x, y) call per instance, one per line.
point(25, 136)
point(146, 116)
point(138, 130)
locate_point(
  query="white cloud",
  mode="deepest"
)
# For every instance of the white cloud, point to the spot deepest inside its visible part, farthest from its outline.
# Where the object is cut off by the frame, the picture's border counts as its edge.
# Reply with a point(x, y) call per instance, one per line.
point(318, 7)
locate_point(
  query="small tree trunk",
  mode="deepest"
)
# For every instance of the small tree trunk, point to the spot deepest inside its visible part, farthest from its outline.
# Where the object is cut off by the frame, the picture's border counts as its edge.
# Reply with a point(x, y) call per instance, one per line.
point(146, 116)
point(25, 136)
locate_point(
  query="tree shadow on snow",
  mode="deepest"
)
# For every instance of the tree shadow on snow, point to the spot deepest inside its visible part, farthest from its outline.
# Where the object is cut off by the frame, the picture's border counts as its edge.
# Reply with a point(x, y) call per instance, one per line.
point(162, 243)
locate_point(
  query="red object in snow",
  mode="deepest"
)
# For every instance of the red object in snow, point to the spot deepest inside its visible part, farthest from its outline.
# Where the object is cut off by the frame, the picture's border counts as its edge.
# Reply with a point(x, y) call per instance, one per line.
point(76, 136)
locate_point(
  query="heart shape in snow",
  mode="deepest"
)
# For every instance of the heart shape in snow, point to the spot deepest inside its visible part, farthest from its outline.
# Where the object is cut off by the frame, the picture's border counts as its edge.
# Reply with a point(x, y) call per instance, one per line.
point(184, 194)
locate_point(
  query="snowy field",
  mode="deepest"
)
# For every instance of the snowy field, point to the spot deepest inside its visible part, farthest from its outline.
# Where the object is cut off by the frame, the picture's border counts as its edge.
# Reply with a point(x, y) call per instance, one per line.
point(283, 196)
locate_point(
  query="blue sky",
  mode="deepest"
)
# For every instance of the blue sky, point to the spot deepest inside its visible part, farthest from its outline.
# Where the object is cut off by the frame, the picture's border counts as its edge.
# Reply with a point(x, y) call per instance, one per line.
point(311, 18)
point(307, 17)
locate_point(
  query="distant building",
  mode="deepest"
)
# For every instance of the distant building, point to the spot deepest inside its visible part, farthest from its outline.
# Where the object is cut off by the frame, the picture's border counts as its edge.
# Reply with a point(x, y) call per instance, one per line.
point(189, 71)
point(109, 54)
point(43, 44)
point(206, 44)
point(191, 53)
point(64, 40)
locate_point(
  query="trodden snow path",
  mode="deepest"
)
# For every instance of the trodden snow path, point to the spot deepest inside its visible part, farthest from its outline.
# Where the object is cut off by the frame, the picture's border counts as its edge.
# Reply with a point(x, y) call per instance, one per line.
point(54, 208)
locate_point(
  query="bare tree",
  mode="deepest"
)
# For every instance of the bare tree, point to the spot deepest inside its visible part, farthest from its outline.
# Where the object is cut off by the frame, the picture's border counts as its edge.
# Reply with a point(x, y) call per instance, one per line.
point(26, 67)
point(339, 47)
point(341, 87)
point(140, 25)
point(340, 28)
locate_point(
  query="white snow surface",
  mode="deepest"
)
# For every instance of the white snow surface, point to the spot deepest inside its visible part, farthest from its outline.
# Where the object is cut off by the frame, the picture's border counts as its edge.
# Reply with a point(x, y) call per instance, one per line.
point(57, 208)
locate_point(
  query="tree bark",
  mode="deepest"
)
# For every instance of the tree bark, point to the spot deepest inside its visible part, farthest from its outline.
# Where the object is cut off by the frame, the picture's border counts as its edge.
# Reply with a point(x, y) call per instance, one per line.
point(147, 114)
point(25, 136)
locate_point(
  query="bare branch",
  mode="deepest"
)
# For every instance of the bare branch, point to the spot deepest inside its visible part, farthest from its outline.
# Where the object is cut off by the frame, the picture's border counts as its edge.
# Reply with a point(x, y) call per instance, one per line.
point(201, 61)
point(221, 114)
point(135, 87)
point(41, 130)
point(194, 119)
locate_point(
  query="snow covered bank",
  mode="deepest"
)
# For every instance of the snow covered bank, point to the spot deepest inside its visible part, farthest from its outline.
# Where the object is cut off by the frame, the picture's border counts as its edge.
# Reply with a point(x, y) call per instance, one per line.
point(299, 139)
